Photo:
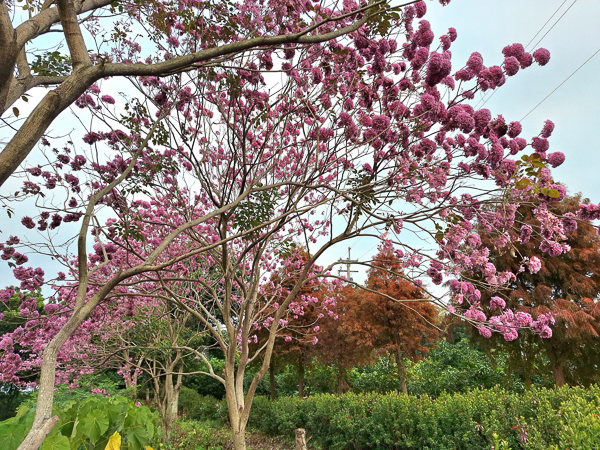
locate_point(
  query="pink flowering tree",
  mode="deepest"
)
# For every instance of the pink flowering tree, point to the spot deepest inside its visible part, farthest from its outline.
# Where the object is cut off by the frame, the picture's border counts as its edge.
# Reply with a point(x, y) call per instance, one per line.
point(152, 38)
point(142, 339)
point(212, 180)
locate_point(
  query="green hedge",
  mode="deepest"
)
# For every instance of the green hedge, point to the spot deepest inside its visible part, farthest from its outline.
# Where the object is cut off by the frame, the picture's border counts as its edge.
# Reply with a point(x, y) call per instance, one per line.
point(565, 418)
point(201, 407)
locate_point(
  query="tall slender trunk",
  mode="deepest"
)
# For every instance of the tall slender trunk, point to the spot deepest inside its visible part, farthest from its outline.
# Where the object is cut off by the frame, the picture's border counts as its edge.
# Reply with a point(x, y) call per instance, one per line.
point(401, 370)
point(301, 376)
point(272, 380)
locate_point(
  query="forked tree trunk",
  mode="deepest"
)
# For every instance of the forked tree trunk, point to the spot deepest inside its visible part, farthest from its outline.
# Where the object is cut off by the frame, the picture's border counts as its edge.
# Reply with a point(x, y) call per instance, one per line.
point(171, 409)
point(238, 419)
point(239, 439)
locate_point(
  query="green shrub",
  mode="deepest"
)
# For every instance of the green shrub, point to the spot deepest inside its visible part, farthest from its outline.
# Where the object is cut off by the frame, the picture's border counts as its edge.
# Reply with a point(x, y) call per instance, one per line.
point(457, 368)
point(87, 425)
point(190, 435)
point(201, 407)
point(538, 419)
point(581, 423)
point(109, 382)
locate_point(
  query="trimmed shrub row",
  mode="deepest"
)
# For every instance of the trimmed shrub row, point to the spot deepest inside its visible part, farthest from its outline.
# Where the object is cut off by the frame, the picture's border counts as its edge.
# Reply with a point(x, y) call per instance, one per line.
point(565, 418)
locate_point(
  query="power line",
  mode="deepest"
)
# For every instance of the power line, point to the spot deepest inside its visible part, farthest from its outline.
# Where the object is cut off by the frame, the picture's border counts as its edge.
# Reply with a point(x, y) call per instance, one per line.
point(557, 87)
point(485, 98)
point(563, 14)
point(547, 21)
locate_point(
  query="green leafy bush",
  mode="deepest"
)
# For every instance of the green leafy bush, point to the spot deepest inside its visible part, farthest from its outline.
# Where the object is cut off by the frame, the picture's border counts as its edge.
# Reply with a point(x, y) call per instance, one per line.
point(581, 424)
point(456, 368)
point(201, 407)
point(107, 382)
point(87, 425)
point(190, 435)
point(538, 419)
point(382, 376)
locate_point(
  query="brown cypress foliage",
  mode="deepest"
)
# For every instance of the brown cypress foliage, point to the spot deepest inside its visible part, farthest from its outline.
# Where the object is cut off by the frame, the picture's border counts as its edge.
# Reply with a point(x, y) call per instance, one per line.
point(405, 329)
point(567, 285)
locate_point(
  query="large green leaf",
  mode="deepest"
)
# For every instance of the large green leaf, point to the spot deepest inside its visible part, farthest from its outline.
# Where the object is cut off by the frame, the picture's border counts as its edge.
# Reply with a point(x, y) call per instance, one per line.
point(94, 425)
point(116, 412)
point(56, 442)
point(137, 437)
point(11, 435)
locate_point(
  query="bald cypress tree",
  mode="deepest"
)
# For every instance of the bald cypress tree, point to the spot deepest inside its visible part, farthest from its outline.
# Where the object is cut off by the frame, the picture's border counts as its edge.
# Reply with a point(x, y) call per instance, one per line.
point(567, 285)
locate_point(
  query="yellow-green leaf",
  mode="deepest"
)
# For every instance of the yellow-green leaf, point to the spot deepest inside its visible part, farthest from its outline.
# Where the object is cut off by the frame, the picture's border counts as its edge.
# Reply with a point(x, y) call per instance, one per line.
point(56, 442)
point(114, 442)
point(554, 193)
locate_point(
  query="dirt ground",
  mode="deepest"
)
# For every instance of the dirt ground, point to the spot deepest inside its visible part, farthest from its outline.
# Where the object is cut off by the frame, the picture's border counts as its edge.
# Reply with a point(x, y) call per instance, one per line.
point(257, 441)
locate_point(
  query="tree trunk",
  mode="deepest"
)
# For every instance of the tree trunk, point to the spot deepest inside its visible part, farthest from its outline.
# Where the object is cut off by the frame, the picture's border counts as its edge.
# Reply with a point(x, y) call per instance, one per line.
point(401, 370)
point(237, 416)
point(527, 381)
point(342, 383)
point(450, 334)
point(239, 440)
point(43, 420)
point(272, 380)
point(559, 375)
point(301, 376)
point(171, 403)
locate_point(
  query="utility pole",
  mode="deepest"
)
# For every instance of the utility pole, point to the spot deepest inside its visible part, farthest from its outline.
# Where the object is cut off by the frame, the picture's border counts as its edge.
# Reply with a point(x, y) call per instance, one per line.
point(348, 262)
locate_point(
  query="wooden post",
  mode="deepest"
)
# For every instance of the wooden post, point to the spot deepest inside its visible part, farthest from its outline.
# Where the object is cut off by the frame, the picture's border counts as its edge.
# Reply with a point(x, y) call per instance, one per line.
point(300, 439)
